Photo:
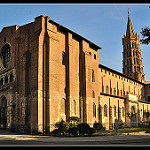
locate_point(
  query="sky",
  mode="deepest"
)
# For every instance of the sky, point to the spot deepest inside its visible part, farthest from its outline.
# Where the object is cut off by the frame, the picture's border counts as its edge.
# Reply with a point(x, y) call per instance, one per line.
point(102, 24)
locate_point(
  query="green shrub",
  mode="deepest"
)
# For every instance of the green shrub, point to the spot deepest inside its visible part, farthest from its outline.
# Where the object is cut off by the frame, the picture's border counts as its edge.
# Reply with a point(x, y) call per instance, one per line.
point(83, 128)
point(62, 126)
point(103, 129)
point(74, 119)
point(98, 126)
point(69, 128)
point(73, 131)
point(91, 131)
point(55, 131)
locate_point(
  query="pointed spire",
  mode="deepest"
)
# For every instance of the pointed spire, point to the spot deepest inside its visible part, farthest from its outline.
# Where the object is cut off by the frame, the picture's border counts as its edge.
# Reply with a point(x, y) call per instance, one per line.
point(130, 30)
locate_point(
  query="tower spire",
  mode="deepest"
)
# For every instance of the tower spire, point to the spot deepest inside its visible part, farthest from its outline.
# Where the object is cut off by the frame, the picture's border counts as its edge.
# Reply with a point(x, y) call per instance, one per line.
point(132, 60)
point(130, 30)
point(128, 12)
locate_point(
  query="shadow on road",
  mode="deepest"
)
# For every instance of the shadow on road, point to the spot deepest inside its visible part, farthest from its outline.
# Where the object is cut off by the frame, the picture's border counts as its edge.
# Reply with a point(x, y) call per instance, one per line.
point(9, 139)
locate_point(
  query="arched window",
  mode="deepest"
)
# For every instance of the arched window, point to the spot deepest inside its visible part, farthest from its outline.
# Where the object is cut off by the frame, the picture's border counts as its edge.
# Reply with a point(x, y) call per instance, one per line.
point(107, 89)
point(129, 53)
point(3, 112)
point(133, 53)
point(134, 60)
point(127, 62)
point(93, 94)
point(22, 109)
point(137, 61)
point(122, 111)
point(135, 45)
point(63, 106)
point(11, 77)
point(114, 91)
point(93, 76)
point(1, 82)
point(121, 92)
point(105, 110)
point(6, 79)
point(74, 107)
point(134, 68)
point(128, 45)
point(63, 58)
point(114, 111)
point(5, 55)
point(94, 110)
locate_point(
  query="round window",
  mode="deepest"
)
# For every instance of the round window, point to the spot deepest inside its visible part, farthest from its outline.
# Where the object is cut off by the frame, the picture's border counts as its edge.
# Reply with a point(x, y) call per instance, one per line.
point(5, 55)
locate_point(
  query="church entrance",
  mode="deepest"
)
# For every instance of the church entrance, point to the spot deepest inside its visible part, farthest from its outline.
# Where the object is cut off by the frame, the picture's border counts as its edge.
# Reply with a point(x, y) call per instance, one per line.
point(133, 117)
point(3, 113)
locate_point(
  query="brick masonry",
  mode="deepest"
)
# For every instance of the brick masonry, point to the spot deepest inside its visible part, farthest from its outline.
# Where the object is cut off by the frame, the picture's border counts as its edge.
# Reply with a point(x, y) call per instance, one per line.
point(56, 74)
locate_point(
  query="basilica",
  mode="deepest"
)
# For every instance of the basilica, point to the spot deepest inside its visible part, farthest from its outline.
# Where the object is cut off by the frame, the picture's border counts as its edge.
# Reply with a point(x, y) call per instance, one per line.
point(48, 73)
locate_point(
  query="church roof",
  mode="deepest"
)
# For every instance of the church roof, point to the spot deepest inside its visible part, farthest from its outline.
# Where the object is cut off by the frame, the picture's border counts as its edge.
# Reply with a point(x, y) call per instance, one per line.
point(130, 30)
point(119, 73)
point(93, 45)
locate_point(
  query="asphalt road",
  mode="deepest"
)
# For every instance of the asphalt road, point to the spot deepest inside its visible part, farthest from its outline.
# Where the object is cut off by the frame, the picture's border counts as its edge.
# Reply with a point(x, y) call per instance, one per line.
point(9, 139)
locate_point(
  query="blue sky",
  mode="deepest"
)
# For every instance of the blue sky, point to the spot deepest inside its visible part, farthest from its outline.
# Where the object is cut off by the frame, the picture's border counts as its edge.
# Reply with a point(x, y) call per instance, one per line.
point(103, 24)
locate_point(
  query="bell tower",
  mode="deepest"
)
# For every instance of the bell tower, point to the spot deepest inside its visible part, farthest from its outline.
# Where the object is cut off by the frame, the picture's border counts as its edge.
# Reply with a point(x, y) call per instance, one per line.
point(132, 60)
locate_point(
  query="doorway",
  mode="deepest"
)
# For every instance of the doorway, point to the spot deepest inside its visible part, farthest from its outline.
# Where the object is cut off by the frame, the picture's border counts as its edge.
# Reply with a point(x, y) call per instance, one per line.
point(3, 113)
point(133, 117)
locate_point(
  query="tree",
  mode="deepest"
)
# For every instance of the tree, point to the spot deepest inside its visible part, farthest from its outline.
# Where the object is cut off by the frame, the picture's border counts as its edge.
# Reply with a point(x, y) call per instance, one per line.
point(146, 35)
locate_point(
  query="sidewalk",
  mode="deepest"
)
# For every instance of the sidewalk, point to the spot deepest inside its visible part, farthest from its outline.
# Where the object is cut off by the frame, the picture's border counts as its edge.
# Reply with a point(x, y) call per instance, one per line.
point(53, 140)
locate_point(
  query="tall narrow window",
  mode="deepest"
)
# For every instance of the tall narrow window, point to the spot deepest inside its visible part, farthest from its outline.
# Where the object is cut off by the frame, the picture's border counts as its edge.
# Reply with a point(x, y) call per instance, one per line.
point(4, 39)
point(6, 55)
point(62, 106)
point(63, 58)
point(130, 61)
point(122, 111)
point(134, 68)
point(11, 77)
point(107, 89)
point(93, 94)
point(129, 53)
point(94, 110)
point(137, 61)
point(102, 85)
point(6, 79)
point(136, 53)
point(1, 82)
point(93, 76)
point(114, 111)
point(105, 110)
point(74, 107)
point(114, 91)
point(134, 60)
point(127, 62)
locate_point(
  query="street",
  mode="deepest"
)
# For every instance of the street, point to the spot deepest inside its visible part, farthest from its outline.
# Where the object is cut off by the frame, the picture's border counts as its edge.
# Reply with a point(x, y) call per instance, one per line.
point(11, 139)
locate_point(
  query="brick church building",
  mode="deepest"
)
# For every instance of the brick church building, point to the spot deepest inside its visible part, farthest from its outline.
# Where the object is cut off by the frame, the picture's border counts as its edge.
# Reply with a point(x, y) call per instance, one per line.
point(49, 73)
